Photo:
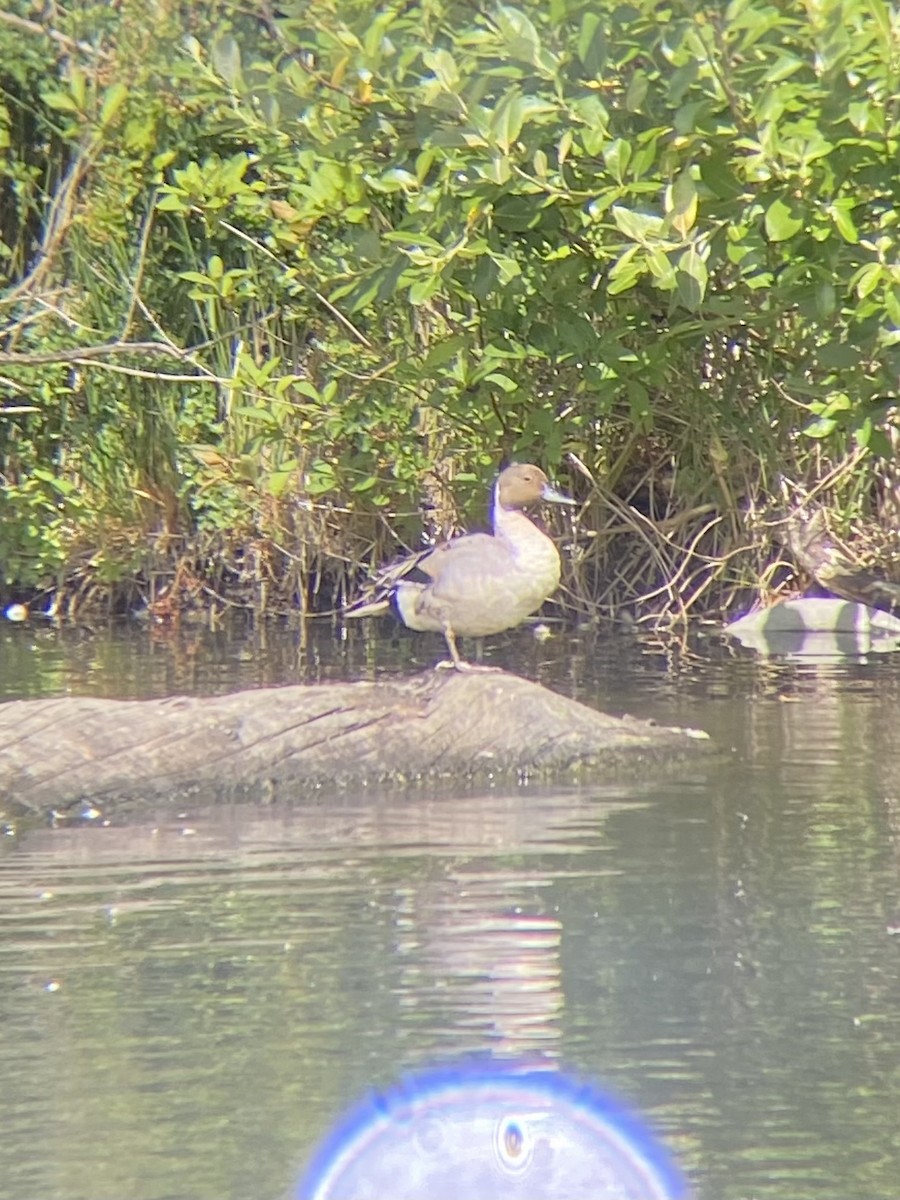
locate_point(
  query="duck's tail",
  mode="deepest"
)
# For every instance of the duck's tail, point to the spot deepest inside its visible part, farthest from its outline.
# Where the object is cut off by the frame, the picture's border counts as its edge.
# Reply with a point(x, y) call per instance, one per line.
point(376, 598)
point(368, 608)
point(407, 597)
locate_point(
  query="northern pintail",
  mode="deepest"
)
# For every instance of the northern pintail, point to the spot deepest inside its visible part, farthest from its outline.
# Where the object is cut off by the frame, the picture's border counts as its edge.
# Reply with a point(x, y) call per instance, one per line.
point(479, 583)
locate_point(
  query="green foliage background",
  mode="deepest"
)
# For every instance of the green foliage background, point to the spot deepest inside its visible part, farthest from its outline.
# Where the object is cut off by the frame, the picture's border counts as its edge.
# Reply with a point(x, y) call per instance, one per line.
point(267, 282)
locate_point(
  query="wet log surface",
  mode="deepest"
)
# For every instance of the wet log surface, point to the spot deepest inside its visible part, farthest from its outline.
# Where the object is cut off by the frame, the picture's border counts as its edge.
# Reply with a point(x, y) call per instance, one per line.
point(58, 755)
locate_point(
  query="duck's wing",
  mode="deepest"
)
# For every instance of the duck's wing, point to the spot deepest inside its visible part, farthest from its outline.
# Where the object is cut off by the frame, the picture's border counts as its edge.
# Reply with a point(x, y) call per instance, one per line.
point(376, 596)
point(471, 556)
point(475, 552)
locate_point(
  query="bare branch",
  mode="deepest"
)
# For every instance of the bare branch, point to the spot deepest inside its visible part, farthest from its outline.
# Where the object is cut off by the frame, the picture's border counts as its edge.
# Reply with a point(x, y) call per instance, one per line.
point(68, 44)
point(82, 353)
point(323, 300)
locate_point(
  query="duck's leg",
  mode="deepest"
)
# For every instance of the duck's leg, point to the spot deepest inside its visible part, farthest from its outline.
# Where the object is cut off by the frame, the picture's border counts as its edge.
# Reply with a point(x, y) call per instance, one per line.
point(455, 662)
point(450, 639)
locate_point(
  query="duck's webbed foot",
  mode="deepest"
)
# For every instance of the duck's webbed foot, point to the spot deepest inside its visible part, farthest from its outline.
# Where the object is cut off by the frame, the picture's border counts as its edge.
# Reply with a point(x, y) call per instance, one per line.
point(448, 664)
point(456, 663)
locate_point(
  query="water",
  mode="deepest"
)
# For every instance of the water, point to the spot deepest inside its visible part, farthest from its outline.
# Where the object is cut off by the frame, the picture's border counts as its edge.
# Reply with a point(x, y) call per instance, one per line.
point(188, 1002)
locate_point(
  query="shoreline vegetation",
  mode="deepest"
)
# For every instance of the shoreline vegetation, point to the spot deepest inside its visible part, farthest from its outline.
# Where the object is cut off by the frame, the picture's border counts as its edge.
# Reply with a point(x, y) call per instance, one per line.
point(281, 288)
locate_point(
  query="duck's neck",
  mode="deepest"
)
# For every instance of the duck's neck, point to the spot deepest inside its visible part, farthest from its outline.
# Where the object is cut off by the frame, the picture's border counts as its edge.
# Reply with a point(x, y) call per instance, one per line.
point(527, 552)
point(511, 523)
point(500, 516)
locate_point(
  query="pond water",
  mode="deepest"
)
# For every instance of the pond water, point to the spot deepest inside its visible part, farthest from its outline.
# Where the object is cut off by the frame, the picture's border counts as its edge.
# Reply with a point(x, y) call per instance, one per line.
point(190, 1000)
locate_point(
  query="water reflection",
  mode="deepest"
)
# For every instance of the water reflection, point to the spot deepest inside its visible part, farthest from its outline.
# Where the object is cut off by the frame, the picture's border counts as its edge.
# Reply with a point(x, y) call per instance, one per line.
point(485, 965)
point(188, 1002)
point(153, 958)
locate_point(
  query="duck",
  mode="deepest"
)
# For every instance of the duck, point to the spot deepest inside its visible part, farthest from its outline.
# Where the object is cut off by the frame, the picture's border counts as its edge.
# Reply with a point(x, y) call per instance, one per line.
point(479, 583)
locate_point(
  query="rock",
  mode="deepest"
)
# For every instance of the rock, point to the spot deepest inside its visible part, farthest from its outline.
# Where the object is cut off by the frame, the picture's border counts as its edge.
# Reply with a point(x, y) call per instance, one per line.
point(818, 626)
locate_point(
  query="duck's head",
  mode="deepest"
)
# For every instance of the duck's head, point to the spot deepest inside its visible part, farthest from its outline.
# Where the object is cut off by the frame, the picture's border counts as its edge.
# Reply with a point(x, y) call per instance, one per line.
point(522, 484)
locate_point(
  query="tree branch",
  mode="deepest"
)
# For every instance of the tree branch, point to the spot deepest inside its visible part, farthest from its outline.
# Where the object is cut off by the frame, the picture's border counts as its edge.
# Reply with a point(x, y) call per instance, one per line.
point(80, 353)
point(68, 44)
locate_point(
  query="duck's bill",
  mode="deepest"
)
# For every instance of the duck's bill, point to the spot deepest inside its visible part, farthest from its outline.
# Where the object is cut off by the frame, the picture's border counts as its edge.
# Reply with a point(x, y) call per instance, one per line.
point(554, 496)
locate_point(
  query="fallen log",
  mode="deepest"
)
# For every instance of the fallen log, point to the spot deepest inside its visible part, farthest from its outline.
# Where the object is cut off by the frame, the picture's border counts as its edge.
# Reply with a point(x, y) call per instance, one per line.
point(58, 756)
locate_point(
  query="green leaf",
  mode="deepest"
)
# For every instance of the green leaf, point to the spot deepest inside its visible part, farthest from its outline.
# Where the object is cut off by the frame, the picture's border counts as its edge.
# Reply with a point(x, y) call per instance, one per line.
point(277, 482)
point(626, 271)
point(822, 427)
point(639, 227)
point(867, 280)
point(507, 268)
point(506, 121)
point(65, 487)
point(837, 403)
point(256, 414)
point(442, 63)
point(194, 276)
point(683, 203)
point(590, 45)
point(639, 403)
point(226, 59)
point(880, 444)
point(519, 34)
point(173, 202)
point(636, 94)
point(617, 156)
point(60, 101)
point(717, 172)
point(305, 388)
point(825, 299)
point(414, 243)
point(423, 289)
point(397, 180)
point(679, 85)
point(664, 274)
point(692, 277)
point(78, 87)
point(837, 356)
point(781, 222)
point(594, 131)
point(444, 351)
point(366, 485)
point(518, 213)
point(841, 212)
point(113, 99)
point(497, 169)
point(502, 381)
point(320, 478)
point(882, 15)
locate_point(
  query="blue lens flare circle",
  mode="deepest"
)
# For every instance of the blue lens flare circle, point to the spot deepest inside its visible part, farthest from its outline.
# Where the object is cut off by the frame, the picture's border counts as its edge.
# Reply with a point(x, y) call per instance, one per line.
point(491, 1133)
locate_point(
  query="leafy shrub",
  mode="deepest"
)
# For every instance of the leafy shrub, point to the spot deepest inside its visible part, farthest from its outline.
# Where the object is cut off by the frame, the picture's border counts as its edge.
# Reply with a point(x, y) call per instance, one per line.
point(378, 249)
